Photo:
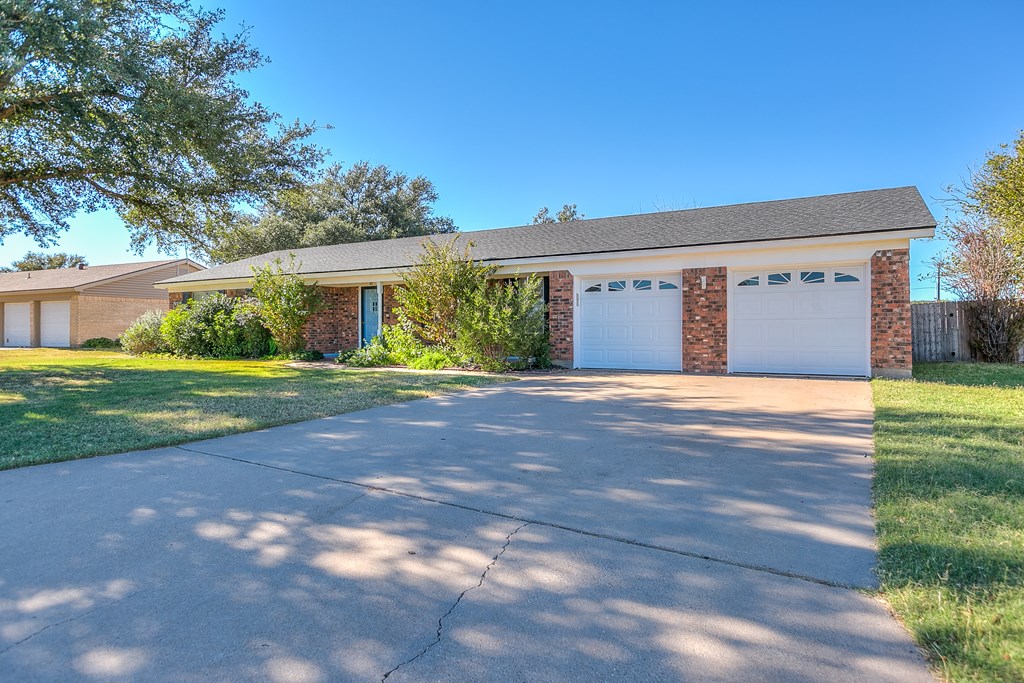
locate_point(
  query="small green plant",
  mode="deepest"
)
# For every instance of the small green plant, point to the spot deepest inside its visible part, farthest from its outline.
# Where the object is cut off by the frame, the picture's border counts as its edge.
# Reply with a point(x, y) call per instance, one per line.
point(401, 341)
point(101, 343)
point(143, 335)
point(306, 355)
point(286, 302)
point(433, 359)
point(374, 354)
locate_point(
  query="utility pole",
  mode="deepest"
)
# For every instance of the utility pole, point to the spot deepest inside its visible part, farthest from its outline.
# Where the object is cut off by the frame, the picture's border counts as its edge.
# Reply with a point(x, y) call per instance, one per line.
point(938, 280)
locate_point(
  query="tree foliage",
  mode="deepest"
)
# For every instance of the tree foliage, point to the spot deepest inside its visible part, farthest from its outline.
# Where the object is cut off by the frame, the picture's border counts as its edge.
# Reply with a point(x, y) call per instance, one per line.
point(566, 214)
point(286, 302)
point(355, 205)
point(435, 288)
point(37, 260)
point(981, 267)
point(984, 262)
point(996, 191)
point(133, 105)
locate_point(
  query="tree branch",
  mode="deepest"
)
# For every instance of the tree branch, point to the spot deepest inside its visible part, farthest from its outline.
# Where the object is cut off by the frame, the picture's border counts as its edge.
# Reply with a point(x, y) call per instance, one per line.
point(34, 102)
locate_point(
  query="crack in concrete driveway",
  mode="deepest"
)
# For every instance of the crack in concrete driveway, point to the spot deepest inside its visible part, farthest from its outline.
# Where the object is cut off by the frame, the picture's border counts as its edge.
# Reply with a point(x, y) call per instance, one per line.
point(666, 528)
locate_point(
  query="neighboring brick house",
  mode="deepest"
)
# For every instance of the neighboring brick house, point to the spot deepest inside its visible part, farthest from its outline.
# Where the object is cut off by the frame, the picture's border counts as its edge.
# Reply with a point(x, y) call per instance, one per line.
point(816, 285)
point(66, 306)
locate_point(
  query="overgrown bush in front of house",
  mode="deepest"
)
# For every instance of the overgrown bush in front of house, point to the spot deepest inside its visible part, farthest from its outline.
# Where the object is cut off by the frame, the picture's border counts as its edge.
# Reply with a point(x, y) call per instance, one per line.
point(436, 287)
point(286, 302)
point(453, 313)
point(216, 326)
point(101, 343)
point(502, 326)
point(143, 335)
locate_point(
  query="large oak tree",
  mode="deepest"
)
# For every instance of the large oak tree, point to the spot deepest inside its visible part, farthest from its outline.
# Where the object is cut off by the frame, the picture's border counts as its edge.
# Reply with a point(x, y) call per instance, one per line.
point(357, 204)
point(133, 105)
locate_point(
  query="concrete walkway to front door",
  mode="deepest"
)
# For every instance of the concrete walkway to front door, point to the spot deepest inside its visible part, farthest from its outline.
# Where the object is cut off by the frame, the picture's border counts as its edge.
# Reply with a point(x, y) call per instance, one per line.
point(585, 526)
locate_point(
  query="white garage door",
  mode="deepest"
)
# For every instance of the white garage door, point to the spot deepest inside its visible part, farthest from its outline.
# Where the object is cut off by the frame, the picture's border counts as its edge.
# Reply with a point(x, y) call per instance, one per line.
point(803, 320)
point(16, 326)
point(55, 323)
point(631, 322)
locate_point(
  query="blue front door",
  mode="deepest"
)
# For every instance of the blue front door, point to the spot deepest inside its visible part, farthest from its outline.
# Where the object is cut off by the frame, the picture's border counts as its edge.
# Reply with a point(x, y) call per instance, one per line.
point(370, 315)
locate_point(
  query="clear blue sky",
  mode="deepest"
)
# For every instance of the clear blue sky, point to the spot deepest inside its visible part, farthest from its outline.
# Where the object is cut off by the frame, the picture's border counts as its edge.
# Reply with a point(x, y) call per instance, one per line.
point(628, 107)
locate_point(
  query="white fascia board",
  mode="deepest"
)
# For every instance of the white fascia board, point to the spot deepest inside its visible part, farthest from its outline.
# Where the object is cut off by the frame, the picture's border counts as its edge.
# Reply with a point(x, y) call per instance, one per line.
point(771, 252)
point(847, 248)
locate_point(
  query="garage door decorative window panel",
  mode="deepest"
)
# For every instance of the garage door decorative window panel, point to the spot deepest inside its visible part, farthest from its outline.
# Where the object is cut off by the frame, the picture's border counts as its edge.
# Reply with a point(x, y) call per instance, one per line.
point(810, 320)
point(631, 322)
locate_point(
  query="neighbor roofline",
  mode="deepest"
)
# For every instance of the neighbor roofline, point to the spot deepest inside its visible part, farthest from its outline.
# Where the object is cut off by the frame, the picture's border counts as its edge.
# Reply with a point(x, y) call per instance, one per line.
point(927, 231)
point(156, 266)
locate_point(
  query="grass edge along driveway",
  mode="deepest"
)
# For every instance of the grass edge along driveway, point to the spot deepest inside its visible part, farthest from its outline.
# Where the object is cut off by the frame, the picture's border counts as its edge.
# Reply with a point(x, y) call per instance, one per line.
point(949, 496)
point(58, 405)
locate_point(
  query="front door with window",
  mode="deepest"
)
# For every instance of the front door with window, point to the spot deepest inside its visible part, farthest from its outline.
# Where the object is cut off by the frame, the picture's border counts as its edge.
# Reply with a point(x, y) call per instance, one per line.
point(370, 315)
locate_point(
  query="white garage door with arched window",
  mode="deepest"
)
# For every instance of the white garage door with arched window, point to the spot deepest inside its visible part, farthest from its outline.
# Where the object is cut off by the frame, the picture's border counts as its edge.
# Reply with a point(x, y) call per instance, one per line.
point(631, 322)
point(801, 320)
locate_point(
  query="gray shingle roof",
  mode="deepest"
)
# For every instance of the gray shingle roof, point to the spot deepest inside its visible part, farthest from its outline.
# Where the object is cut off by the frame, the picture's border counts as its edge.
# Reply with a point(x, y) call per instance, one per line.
point(71, 278)
point(898, 208)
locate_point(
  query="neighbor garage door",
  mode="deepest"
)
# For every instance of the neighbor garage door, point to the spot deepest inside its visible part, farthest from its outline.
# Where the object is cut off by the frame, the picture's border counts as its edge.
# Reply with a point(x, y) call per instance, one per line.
point(55, 323)
point(16, 325)
point(631, 322)
point(802, 320)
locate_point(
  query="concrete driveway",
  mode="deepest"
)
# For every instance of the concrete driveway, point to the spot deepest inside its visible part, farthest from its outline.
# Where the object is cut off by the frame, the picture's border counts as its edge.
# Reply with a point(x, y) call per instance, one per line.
point(572, 527)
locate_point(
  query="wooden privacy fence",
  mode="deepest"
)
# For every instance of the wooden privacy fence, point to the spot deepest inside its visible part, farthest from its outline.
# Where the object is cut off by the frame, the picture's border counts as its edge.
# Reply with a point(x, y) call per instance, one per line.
point(940, 332)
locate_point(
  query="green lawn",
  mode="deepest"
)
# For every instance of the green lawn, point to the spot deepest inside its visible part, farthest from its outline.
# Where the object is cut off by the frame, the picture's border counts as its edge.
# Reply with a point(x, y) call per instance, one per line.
point(949, 491)
point(61, 405)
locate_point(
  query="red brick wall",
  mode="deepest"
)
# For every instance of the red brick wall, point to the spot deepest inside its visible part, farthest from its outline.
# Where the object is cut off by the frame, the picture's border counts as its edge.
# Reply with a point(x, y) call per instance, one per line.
point(337, 326)
point(175, 298)
point(560, 308)
point(388, 305)
point(705, 322)
point(891, 348)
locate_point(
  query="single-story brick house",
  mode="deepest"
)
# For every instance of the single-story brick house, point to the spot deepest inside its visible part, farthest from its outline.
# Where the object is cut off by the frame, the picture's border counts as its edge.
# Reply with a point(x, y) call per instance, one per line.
point(65, 306)
point(817, 285)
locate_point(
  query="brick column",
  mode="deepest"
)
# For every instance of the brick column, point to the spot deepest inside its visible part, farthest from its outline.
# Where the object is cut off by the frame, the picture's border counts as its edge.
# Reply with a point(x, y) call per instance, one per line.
point(560, 311)
point(705, 321)
point(335, 328)
point(175, 298)
point(891, 342)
